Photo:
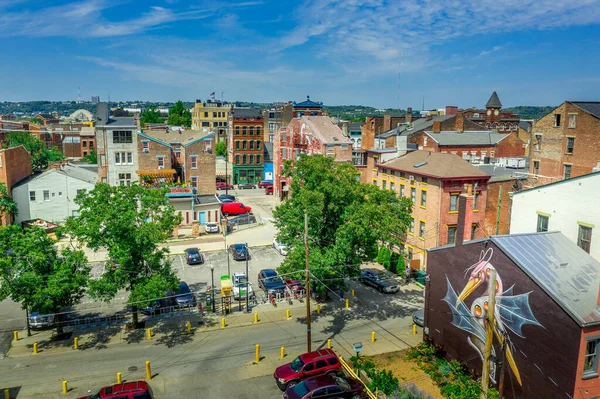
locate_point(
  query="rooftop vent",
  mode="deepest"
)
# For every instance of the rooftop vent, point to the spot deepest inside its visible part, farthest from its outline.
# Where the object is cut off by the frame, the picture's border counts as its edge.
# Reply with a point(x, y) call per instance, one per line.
point(418, 165)
point(335, 139)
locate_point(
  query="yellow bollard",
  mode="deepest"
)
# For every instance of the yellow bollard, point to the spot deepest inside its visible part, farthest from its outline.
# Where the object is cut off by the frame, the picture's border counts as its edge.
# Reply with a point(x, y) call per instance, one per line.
point(119, 378)
point(414, 329)
point(282, 352)
point(329, 344)
point(347, 306)
point(148, 370)
point(35, 348)
point(149, 333)
point(222, 322)
point(373, 336)
point(352, 292)
point(189, 327)
point(16, 335)
point(256, 317)
point(75, 343)
point(318, 308)
point(65, 386)
point(257, 353)
point(6, 394)
point(287, 314)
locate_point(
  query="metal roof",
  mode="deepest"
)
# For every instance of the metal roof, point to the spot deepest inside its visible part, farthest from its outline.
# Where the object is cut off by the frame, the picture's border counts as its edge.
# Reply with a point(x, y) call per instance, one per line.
point(246, 113)
point(484, 137)
point(494, 101)
point(564, 271)
point(592, 107)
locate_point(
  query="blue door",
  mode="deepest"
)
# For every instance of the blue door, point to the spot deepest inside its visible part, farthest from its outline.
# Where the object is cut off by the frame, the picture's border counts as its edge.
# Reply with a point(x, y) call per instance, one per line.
point(202, 217)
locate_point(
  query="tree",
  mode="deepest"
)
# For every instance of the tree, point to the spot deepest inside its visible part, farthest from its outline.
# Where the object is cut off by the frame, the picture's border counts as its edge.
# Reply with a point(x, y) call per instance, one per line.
point(36, 121)
point(179, 115)
point(37, 275)
point(91, 158)
point(7, 203)
point(221, 149)
point(41, 156)
point(150, 115)
point(347, 220)
point(129, 222)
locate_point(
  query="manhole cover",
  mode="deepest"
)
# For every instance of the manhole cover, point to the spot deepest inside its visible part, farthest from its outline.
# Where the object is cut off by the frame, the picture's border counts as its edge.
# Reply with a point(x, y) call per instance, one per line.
point(132, 368)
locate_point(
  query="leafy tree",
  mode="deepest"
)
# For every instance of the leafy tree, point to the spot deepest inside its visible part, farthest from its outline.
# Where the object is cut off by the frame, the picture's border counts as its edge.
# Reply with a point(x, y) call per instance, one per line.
point(221, 149)
point(91, 158)
point(37, 275)
point(150, 115)
point(36, 121)
point(129, 222)
point(179, 115)
point(41, 155)
point(346, 219)
point(7, 203)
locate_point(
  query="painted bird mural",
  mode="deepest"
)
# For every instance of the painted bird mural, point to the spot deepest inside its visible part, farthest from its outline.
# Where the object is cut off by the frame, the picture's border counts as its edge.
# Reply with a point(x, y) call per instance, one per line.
point(512, 312)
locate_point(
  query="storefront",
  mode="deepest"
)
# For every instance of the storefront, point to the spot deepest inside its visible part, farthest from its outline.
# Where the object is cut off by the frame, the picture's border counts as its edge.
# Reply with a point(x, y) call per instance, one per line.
point(243, 174)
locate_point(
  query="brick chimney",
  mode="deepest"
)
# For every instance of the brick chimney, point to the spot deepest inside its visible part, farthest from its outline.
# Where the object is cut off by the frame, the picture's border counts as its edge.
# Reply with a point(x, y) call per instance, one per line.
point(459, 124)
point(408, 117)
point(437, 127)
point(387, 122)
point(465, 215)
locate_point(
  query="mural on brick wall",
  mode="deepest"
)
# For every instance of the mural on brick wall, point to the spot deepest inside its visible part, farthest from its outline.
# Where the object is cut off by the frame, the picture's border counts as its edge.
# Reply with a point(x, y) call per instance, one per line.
point(511, 311)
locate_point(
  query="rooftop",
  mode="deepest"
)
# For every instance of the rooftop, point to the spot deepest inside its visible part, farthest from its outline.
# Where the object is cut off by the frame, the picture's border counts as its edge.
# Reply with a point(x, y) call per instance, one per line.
point(246, 113)
point(75, 172)
point(500, 173)
point(483, 137)
point(308, 103)
point(119, 121)
point(592, 107)
point(434, 164)
point(325, 129)
point(168, 137)
point(494, 101)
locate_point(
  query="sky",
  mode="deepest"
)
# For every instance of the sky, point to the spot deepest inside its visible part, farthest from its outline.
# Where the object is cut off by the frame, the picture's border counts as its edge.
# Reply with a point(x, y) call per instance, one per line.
point(386, 54)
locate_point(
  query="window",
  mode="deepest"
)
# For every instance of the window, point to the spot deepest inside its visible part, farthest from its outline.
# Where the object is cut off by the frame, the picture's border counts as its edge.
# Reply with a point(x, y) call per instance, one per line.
point(283, 137)
point(145, 146)
point(542, 223)
point(309, 367)
point(244, 144)
point(451, 234)
point(424, 180)
point(454, 202)
point(237, 144)
point(258, 159)
point(129, 158)
point(244, 159)
point(195, 182)
point(584, 239)
point(423, 198)
point(536, 167)
point(409, 253)
point(271, 126)
point(243, 130)
point(237, 130)
point(572, 121)
point(251, 144)
point(161, 162)
point(374, 182)
point(60, 193)
point(117, 158)
point(537, 145)
point(283, 153)
point(590, 363)
point(425, 141)
point(214, 114)
point(84, 144)
point(251, 131)
point(123, 158)
point(206, 114)
point(570, 144)
point(413, 194)
point(332, 361)
point(422, 229)
point(567, 173)
point(125, 179)
point(473, 230)
point(205, 124)
point(402, 190)
point(330, 147)
point(411, 228)
point(251, 159)
point(271, 138)
point(46, 195)
point(384, 184)
point(475, 199)
point(194, 161)
point(122, 137)
point(321, 364)
point(556, 120)
point(492, 154)
point(258, 144)
point(392, 186)
point(344, 147)
point(237, 159)
point(32, 196)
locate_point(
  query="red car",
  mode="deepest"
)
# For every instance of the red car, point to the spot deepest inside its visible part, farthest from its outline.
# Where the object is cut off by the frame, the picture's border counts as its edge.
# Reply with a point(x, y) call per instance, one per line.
point(323, 361)
point(269, 190)
point(234, 208)
point(327, 386)
point(127, 390)
point(222, 186)
point(265, 183)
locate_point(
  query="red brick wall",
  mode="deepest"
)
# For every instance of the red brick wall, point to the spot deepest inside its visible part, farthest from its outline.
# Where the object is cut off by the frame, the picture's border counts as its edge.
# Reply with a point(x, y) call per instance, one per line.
point(511, 146)
point(491, 209)
point(254, 122)
point(206, 166)
point(15, 165)
point(148, 160)
point(448, 218)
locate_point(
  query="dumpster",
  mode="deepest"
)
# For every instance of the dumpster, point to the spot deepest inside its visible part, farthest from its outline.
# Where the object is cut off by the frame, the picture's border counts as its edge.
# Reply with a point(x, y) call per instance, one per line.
point(420, 276)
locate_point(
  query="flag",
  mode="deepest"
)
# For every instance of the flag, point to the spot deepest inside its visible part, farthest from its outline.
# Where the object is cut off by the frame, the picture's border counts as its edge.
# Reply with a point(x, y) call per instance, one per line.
point(212, 94)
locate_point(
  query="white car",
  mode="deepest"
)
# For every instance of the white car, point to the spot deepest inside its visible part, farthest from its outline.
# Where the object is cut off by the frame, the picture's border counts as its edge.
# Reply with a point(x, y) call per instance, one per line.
point(211, 227)
point(238, 283)
point(281, 248)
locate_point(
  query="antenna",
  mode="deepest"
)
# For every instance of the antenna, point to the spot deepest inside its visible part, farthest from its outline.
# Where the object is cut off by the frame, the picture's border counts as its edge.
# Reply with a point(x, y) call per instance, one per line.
point(78, 94)
point(423, 104)
point(222, 95)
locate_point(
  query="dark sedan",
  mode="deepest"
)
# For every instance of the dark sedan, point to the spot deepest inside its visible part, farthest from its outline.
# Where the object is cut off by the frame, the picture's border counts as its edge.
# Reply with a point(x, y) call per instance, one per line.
point(246, 186)
point(184, 297)
point(327, 386)
point(382, 280)
point(239, 251)
point(222, 197)
point(193, 256)
point(269, 281)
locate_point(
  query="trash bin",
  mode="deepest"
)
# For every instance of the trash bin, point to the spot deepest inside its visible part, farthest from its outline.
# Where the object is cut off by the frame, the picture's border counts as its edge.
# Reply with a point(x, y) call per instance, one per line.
point(420, 276)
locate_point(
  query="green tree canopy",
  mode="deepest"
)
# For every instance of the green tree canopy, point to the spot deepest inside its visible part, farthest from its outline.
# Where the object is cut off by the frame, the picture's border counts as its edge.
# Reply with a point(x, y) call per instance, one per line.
point(37, 275)
point(41, 155)
point(129, 222)
point(346, 219)
point(91, 158)
point(179, 115)
point(221, 149)
point(7, 203)
point(150, 115)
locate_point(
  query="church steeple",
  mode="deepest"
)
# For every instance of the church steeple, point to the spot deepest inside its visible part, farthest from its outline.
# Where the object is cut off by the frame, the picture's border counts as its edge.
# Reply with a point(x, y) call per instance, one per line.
point(494, 102)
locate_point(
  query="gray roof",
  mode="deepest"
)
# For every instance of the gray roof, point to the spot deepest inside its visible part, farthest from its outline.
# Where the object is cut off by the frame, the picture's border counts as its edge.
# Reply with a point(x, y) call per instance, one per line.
point(484, 137)
point(593, 107)
point(119, 121)
point(268, 151)
point(494, 101)
point(564, 271)
point(415, 127)
point(525, 125)
point(500, 173)
point(354, 126)
point(205, 199)
point(246, 113)
point(75, 172)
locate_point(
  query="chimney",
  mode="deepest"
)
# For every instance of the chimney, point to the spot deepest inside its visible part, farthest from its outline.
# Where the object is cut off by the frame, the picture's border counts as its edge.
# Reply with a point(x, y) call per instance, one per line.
point(408, 117)
point(387, 122)
point(465, 215)
point(451, 110)
point(437, 127)
point(459, 124)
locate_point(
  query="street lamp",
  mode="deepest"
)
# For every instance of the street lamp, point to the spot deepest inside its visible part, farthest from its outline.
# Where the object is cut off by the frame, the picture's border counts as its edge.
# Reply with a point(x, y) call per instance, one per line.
point(212, 289)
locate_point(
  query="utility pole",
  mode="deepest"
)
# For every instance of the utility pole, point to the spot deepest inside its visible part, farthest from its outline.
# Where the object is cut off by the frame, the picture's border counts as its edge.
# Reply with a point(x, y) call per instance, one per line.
point(498, 212)
point(308, 333)
point(489, 335)
point(501, 379)
point(247, 279)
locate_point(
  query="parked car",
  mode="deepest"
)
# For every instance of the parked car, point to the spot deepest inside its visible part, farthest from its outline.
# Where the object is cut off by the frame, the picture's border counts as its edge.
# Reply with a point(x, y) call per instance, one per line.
point(240, 285)
point(327, 386)
point(239, 251)
point(246, 186)
point(211, 227)
point(265, 183)
point(193, 256)
point(307, 365)
point(241, 220)
point(269, 281)
point(222, 197)
point(38, 320)
point(184, 297)
point(224, 186)
point(419, 317)
point(234, 208)
point(269, 190)
point(382, 280)
point(126, 390)
point(281, 248)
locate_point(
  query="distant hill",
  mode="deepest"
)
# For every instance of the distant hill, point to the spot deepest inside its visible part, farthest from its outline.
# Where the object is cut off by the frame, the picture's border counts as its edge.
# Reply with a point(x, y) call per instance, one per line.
point(530, 111)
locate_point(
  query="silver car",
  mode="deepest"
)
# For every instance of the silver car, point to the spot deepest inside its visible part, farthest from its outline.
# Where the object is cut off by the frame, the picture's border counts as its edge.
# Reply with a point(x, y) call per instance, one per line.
point(38, 320)
point(211, 227)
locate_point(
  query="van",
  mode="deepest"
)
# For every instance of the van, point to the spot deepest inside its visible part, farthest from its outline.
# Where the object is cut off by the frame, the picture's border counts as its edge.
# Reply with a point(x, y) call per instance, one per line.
point(234, 208)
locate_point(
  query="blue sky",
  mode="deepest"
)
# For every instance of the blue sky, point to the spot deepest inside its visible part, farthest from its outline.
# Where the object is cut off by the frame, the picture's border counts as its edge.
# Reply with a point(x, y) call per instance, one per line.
point(378, 53)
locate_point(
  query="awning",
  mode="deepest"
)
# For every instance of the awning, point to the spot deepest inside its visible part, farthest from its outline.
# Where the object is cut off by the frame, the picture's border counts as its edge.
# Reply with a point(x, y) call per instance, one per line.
point(156, 173)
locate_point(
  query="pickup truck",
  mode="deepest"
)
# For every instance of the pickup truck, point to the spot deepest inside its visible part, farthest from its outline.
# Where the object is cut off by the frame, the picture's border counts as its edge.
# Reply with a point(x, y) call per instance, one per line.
point(239, 281)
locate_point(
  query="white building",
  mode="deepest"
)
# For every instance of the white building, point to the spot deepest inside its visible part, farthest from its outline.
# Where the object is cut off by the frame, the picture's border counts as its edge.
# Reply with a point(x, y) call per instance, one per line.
point(50, 195)
point(569, 206)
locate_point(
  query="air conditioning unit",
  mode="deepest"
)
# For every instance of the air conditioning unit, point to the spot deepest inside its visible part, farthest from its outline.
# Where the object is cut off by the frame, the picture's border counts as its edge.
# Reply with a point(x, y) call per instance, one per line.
point(411, 178)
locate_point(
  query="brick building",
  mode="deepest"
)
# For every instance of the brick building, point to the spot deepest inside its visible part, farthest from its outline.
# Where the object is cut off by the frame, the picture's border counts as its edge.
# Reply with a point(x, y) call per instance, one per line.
point(212, 115)
point(565, 143)
point(293, 110)
point(15, 165)
point(88, 140)
point(155, 160)
point(7, 126)
point(47, 119)
point(374, 125)
point(272, 123)
point(492, 117)
point(433, 181)
point(308, 135)
point(246, 139)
